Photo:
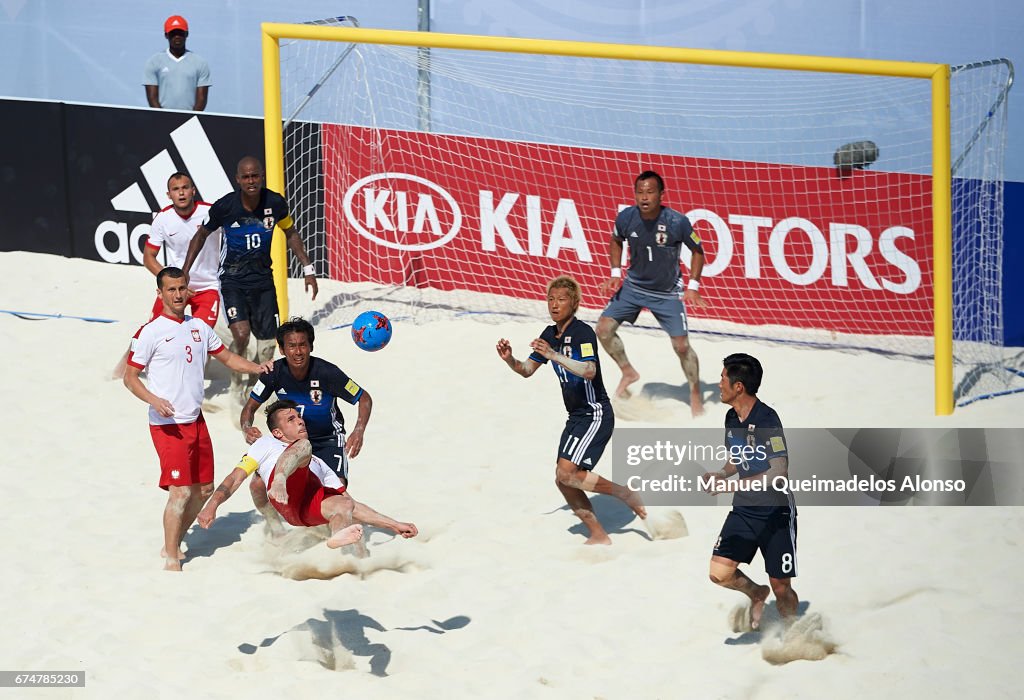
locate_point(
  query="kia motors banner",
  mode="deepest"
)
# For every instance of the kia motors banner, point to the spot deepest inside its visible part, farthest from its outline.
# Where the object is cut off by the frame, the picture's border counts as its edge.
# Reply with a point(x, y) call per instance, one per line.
point(786, 245)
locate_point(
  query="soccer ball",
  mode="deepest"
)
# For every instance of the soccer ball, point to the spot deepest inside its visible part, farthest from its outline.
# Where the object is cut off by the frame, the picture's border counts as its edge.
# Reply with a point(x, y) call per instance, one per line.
point(371, 331)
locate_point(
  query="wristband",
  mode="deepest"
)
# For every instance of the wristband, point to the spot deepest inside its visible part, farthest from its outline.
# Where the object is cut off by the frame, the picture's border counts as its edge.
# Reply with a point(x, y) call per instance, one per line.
point(616, 272)
point(693, 285)
point(308, 270)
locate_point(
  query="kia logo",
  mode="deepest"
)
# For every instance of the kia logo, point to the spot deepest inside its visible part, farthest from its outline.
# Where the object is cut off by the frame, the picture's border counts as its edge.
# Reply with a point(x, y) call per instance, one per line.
point(404, 212)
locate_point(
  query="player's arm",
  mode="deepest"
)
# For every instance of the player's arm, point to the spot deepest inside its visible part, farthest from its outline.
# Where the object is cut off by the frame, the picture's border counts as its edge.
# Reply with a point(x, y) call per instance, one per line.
point(252, 433)
point(614, 281)
point(581, 368)
point(237, 363)
point(691, 296)
point(223, 492)
point(194, 246)
point(149, 259)
point(354, 442)
point(291, 235)
point(134, 384)
point(522, 368)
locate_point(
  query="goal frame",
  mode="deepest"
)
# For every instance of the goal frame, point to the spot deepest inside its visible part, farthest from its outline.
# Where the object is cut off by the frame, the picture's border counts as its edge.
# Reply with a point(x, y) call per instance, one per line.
point(937, 73)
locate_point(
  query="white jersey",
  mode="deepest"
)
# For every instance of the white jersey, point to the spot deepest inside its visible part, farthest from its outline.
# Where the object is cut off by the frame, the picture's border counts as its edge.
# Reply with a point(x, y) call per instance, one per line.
point(264, 453)
point(174, 354)
point(175, 232)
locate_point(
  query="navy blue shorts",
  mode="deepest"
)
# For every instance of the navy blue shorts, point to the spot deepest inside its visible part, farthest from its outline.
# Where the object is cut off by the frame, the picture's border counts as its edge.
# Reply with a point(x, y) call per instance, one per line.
point(332, 451)
point(743, 534)
point(627, 303)
point(585, 437)
point(257, 306)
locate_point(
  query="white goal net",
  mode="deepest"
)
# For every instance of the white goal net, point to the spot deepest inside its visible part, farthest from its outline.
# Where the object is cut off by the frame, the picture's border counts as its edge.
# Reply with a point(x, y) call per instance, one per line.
point(443, 181)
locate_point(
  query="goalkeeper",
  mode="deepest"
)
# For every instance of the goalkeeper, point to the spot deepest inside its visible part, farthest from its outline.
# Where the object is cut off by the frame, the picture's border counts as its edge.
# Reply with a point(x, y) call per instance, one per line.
point(655, 235)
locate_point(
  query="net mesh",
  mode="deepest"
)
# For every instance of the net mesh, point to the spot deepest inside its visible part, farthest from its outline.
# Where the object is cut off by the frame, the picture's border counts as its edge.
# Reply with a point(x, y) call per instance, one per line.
point(443, 182)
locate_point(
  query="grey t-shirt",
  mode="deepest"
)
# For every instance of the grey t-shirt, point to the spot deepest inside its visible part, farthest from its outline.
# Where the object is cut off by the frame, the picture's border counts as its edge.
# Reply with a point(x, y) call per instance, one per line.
point(177, 78)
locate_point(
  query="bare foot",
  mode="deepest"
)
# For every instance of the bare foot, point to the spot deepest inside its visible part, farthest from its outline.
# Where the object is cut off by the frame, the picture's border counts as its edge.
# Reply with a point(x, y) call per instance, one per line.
point(171, 564)
point(346, 535)
point(632, 500)
point(629, 376)
point(163, 553)
point(599, 539)
point(757, 606)
point(406, 530)
point(696, 404)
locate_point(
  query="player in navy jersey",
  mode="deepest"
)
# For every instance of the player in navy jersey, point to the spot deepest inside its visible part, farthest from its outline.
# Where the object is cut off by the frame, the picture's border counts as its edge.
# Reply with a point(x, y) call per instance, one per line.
point(570, 345)
point(247, 218)
point(655, 235)
point(315, 385)
point(761, 518)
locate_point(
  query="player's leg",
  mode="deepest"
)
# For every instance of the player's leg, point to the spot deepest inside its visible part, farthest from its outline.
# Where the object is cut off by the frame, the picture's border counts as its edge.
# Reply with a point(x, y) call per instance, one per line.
point(258, 491)
point(205, 305)
point(778, 547)
point(671, 316)
point(363, 513)
point(263, 320)
point(580, 504)
point(737, 544)
point(200, 465)
point(337, 509)
point(236, 307)
point(174, 513)
point(621, 307)
point(582, 444)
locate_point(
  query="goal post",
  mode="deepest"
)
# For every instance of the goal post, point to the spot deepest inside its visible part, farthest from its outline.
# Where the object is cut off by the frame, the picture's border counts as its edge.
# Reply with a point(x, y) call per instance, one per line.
point(938, 183)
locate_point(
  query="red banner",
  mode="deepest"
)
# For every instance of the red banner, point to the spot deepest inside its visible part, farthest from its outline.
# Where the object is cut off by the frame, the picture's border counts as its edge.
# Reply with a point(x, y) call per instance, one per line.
point(786, 245)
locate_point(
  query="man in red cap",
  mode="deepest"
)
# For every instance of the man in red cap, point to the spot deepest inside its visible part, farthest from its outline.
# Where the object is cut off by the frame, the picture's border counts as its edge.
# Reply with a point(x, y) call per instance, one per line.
point(177, 78)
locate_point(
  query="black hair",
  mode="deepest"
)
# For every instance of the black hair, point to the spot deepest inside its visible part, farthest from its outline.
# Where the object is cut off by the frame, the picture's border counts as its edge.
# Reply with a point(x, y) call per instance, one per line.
point(745, 369)
point(296, 324)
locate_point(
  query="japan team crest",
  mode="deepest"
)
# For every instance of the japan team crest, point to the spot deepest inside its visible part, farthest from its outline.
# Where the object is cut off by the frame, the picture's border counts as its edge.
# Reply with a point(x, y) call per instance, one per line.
point(316, 396)
point(195, 336)
point(661, 238)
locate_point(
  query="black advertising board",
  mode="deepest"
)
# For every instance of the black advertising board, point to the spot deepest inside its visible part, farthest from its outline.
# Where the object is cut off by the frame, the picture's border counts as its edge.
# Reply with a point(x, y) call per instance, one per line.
point(33, 177)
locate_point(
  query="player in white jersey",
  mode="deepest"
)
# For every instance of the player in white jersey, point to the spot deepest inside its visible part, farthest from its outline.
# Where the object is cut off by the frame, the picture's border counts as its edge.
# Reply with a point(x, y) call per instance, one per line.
point(303, 489)
point(173, 348)
point(172, 229)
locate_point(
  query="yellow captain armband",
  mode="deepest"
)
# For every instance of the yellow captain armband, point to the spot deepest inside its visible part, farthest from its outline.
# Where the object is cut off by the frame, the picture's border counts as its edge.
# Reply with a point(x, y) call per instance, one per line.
point(248, 465)
point(286, 223)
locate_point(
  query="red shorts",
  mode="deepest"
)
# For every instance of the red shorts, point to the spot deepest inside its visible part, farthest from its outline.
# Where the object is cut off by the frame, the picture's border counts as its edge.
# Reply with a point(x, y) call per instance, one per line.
point(185, 451)
point(305, 496)
point(205, 306)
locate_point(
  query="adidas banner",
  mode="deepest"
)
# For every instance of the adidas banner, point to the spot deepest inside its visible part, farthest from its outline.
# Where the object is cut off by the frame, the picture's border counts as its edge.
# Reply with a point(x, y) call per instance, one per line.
point(91, 178)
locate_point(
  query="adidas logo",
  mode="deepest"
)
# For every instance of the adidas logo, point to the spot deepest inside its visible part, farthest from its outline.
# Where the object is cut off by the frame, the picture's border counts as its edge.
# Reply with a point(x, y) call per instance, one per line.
point(632, 234)
point(201, 163)
point(588, 462)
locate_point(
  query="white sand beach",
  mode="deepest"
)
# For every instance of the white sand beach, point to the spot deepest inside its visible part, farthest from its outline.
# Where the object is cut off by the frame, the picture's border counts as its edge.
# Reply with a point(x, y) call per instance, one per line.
point(498, 597)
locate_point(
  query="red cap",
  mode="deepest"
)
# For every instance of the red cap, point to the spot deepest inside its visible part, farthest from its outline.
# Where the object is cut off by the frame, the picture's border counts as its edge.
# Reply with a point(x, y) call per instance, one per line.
point(175, 22)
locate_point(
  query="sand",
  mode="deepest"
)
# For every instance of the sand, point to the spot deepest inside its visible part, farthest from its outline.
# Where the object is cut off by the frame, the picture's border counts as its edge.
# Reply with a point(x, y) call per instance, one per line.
point(498, 596)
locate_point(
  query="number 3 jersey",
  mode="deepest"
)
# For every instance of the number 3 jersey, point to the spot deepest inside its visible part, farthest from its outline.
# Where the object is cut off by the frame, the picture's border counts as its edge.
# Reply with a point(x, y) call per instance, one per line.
point(579, 342)
point(174, 353)
point(316, 395)
point(246, 237)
